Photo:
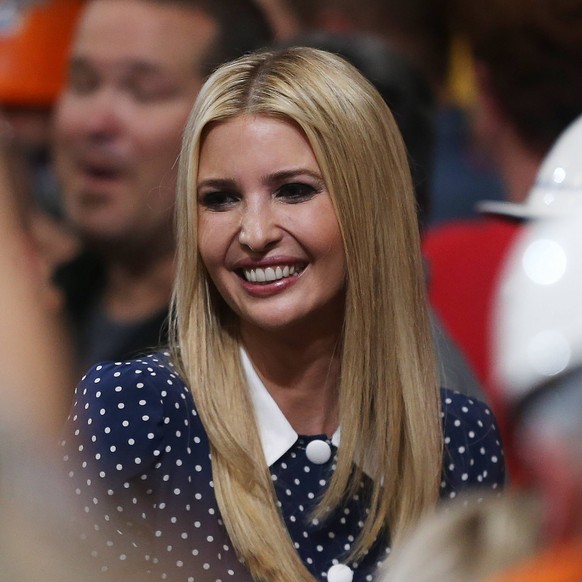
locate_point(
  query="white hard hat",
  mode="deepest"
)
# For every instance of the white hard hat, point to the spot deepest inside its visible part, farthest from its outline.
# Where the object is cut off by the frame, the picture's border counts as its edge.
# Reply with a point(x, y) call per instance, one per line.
point(558, 186)
point(538, 317)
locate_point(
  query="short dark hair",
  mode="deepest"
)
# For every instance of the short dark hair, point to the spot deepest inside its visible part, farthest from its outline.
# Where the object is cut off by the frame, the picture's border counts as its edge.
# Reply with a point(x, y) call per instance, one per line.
point(533, 56)
point(417, 28)
point(243, 27)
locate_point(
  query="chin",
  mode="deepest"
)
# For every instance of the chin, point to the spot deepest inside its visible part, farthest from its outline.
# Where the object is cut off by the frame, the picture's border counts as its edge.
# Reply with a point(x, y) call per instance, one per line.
point(293, 316)
point(302, 323)
point(98, 237)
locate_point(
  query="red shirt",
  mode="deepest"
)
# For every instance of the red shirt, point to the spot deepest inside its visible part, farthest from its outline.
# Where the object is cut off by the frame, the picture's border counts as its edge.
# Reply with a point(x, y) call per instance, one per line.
point(465, 259)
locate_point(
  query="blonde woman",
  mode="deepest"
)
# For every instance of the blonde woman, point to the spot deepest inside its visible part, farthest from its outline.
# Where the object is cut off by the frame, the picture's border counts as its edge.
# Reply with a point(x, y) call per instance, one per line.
point(299, 308)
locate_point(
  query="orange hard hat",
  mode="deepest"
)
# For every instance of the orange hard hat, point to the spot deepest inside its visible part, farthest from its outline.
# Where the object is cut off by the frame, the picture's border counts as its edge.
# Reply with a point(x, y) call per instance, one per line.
point(34, 44)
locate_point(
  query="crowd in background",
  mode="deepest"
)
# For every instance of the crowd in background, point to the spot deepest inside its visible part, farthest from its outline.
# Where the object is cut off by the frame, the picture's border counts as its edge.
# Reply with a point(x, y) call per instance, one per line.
point(486, 96)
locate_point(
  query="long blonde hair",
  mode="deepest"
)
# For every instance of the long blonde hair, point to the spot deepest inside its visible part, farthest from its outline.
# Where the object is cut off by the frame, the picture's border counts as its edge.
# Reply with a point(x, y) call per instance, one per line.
point(388, 393)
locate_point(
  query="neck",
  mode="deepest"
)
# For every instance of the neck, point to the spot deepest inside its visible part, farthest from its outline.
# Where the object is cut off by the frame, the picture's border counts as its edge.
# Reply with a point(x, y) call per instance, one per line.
point(137, 289)
point(301, 374)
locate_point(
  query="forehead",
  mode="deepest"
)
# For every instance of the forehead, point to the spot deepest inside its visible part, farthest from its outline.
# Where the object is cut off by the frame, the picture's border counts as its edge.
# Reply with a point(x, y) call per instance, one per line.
point(257, 143)
point(117, 32)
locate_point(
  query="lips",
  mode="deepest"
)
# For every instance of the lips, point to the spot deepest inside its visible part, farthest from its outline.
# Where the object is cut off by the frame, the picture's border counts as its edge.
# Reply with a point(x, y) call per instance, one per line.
point(100, 163)
point(101, 171)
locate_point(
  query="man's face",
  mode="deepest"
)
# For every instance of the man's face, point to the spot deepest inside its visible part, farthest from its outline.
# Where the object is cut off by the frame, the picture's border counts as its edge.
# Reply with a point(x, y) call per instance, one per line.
point(134, 75)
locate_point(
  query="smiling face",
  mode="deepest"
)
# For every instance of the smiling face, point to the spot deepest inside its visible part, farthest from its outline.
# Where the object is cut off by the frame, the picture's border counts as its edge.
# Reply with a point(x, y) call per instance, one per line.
point(267, 230)
point(134, 74)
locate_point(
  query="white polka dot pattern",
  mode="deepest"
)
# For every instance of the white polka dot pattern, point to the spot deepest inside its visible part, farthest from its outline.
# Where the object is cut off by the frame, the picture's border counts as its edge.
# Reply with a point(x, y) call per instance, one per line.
point(139, 461)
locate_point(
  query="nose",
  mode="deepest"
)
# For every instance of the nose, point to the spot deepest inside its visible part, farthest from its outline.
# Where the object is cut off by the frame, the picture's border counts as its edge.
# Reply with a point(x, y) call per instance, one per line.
point(259, 230)
point(101, 118)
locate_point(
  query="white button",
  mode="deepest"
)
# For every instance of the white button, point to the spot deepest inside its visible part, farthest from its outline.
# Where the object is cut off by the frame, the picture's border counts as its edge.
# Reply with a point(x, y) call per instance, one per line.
point(318, 452)
point(340, 573)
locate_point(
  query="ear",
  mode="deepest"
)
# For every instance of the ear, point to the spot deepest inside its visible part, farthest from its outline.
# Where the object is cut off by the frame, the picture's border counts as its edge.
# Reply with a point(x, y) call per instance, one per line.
point(489, 111)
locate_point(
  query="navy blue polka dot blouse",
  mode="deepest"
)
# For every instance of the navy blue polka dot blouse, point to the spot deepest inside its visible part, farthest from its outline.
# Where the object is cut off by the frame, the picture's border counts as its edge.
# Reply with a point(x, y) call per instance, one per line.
point(139, 461)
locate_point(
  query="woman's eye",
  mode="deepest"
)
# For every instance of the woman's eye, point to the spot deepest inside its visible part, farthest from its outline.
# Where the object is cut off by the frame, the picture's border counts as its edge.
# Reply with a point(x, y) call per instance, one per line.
point(296, 192)
point(218, 201)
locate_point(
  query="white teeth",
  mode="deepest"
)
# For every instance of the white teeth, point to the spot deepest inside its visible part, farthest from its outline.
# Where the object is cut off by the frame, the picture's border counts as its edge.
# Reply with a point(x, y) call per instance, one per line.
point(269, 274)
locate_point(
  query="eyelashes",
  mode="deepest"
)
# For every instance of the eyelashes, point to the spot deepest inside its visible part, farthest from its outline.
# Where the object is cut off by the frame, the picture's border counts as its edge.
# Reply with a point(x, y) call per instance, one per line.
point(218, 201)
point(296, 192)
point(289, 193)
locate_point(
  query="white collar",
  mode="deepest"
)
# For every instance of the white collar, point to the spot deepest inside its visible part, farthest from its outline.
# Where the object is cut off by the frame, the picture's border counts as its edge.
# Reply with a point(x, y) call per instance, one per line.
point(277, 435)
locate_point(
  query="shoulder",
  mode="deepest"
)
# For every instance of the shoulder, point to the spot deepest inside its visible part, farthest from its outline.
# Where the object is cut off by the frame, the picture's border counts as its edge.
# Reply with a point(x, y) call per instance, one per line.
point(467, 419)
point(153, 377)
point(473, 450)
point(124, 409)
point(460, 410)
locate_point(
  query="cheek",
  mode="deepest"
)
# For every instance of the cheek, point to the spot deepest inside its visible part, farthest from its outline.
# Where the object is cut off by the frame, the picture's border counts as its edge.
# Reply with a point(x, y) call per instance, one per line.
point(335, 242)
point(326, 239)
point(72, 114)
point(63, 147)
point(211, 243)
point(65, 125)
point(162, 133)
point(335, 257)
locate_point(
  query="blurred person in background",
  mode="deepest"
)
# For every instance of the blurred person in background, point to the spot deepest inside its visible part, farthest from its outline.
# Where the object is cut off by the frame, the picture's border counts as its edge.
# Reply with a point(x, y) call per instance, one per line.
point(35, 370)
point(534, 533)
point(557, 191)
point(36, 377)
point(35, 356)
point(134, 72)
point(538, 365)
point(415, 29)
point(422, 32)
point(468, 539)
point(528, 63)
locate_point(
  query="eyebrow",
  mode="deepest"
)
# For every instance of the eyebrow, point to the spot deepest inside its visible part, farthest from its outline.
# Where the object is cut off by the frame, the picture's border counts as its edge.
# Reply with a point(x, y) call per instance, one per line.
point(133, 67)
point(281, 176)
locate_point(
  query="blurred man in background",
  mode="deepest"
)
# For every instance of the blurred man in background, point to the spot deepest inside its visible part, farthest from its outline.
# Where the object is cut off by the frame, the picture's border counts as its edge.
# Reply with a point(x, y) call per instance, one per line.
point(135, 69)
point(527, 57)
point(538, 332)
